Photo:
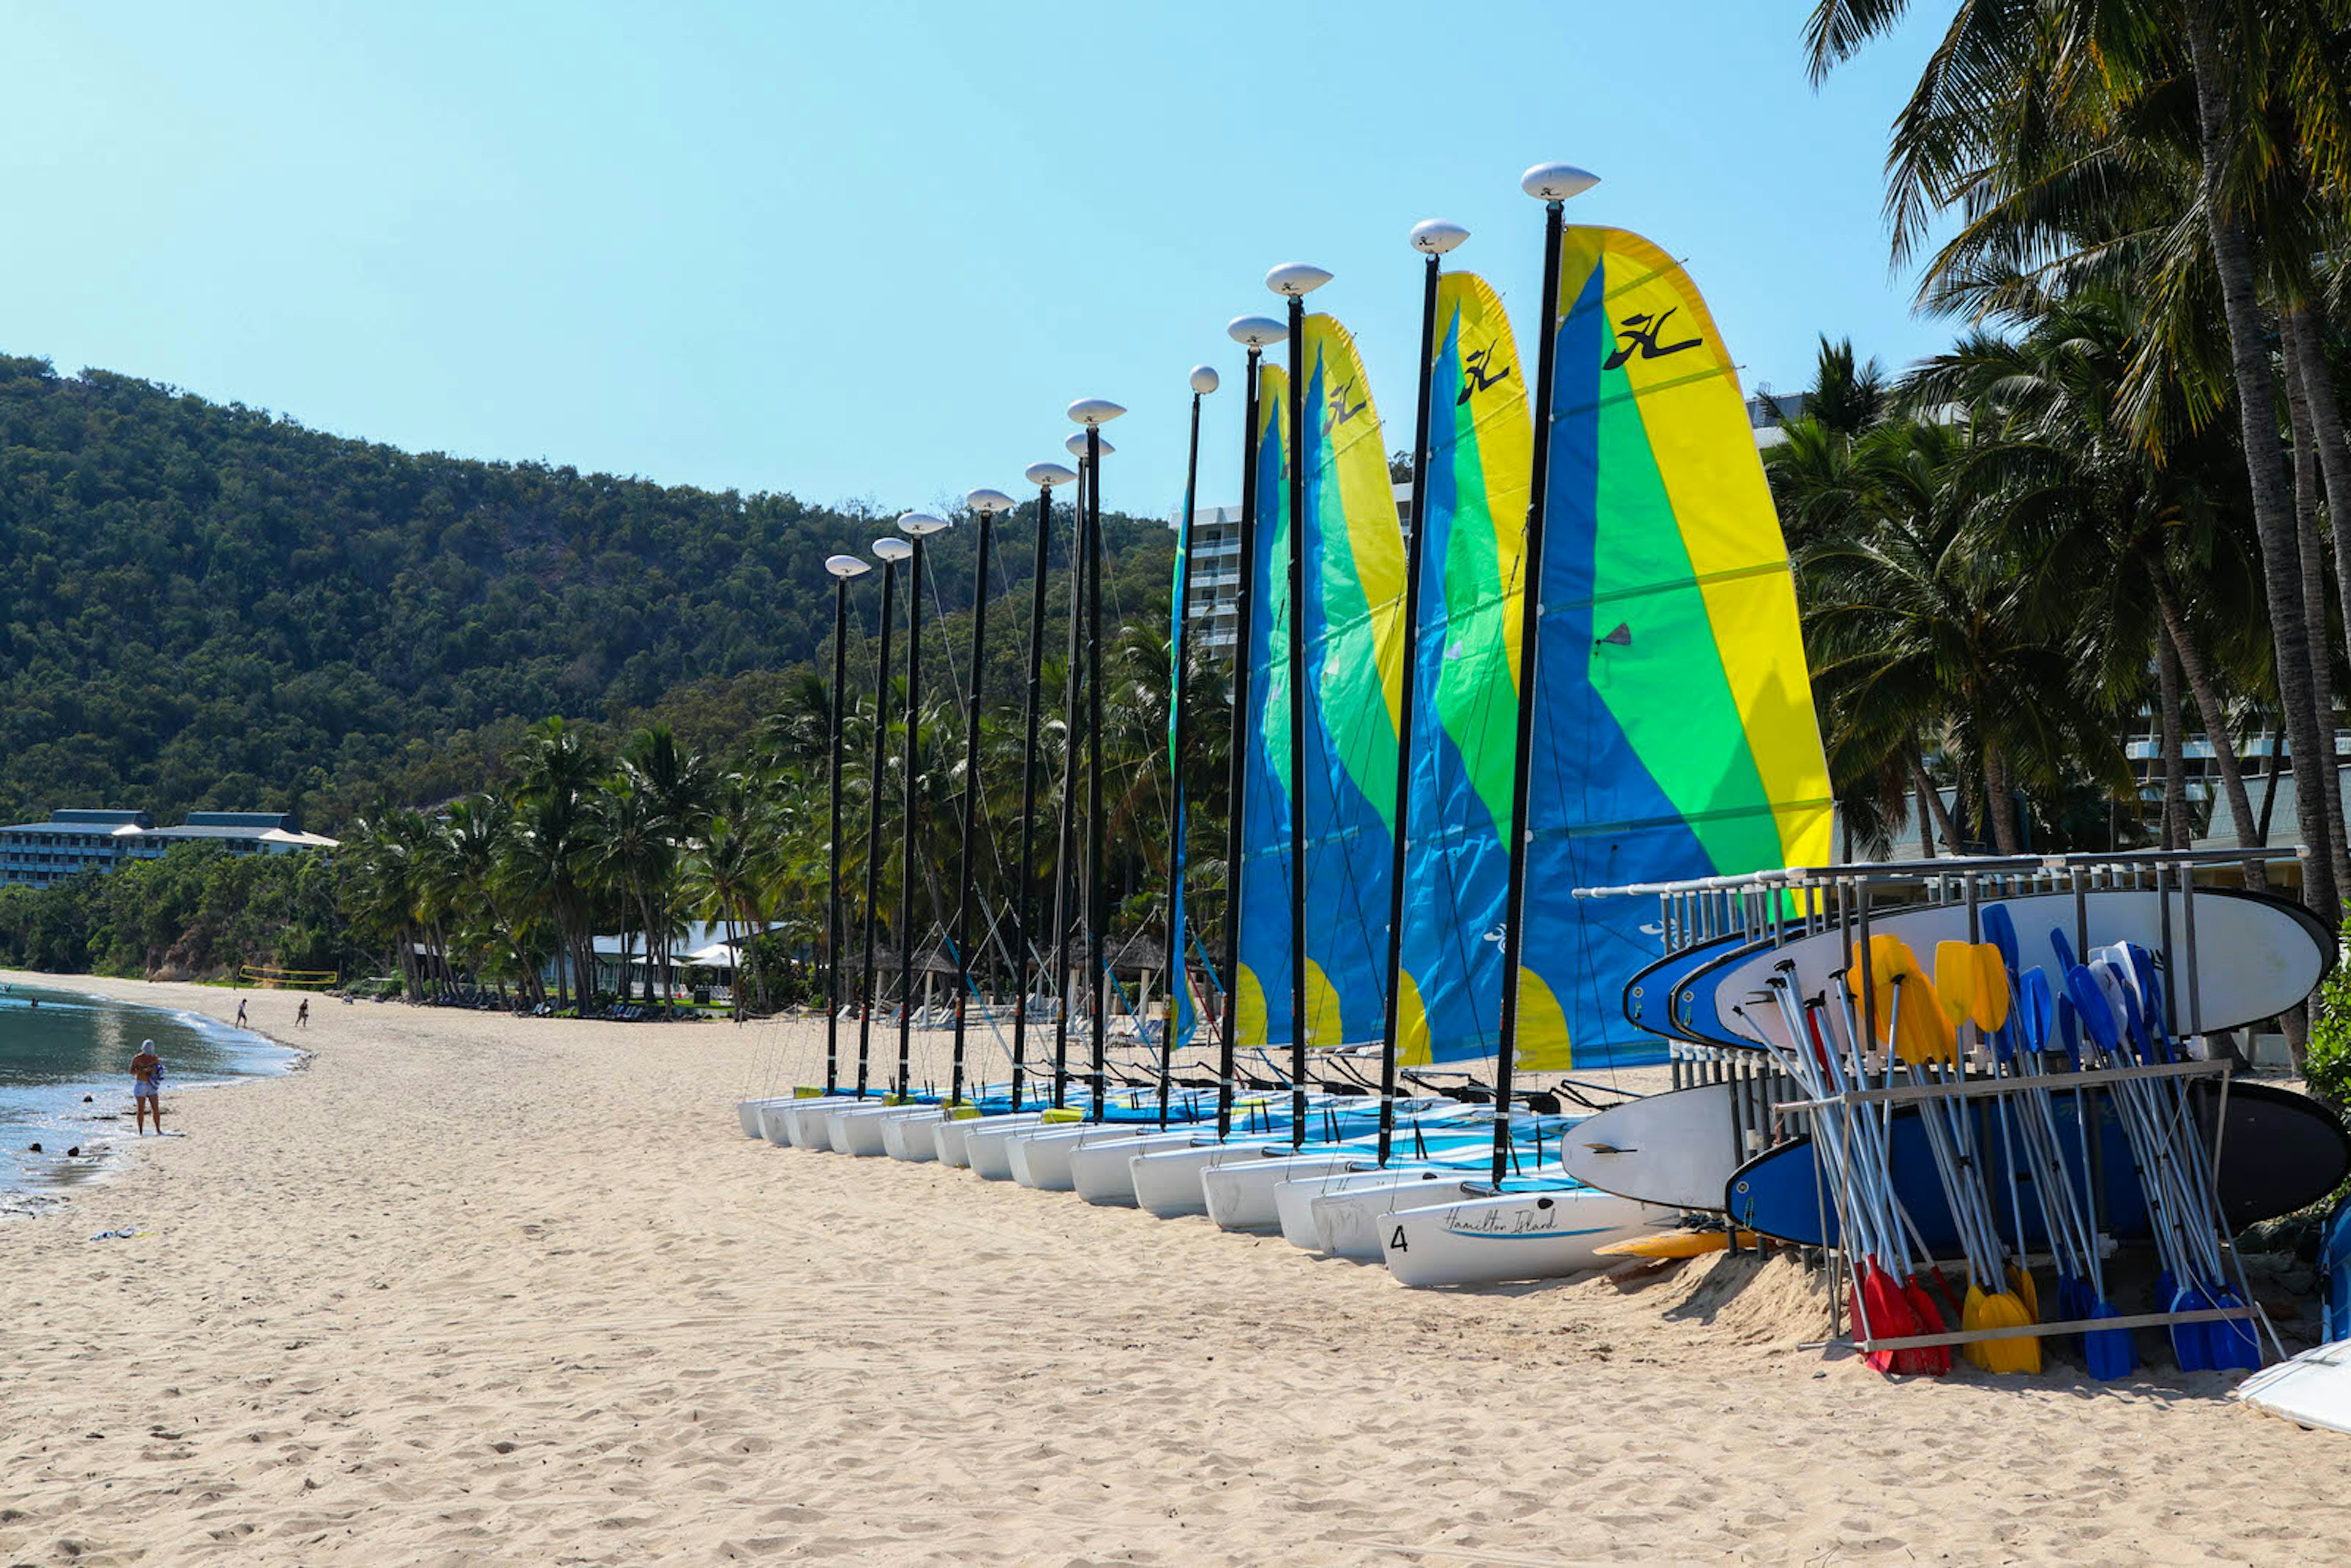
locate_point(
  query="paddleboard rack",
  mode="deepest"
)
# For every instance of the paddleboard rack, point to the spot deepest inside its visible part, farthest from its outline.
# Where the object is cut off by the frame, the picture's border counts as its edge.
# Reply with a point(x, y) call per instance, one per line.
point(1771, 909)
point(1862, 1341)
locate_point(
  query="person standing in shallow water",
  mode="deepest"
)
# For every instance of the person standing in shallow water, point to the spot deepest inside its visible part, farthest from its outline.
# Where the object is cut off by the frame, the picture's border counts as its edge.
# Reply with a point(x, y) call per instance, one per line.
point(147, 1086)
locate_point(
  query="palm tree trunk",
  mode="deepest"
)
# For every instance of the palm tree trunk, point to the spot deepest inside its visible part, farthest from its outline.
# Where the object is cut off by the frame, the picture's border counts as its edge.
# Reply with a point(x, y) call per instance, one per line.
point(2309, 536)
point(2305, 334)
point(2178, 830)
point(2257, 413)
point(1953, 840)
point(2000, 802)
point(2250, 833)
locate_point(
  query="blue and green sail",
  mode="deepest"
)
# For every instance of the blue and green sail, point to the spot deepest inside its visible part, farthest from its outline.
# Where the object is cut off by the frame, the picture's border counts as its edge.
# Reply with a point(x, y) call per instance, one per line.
point(1473, 500)
point(1674, 734)
point(1353, 625)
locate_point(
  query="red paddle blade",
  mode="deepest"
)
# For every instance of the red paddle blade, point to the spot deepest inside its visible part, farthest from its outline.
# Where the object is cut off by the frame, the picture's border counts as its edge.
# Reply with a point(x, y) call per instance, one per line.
point(1889, 1316)
point(1934, 1359)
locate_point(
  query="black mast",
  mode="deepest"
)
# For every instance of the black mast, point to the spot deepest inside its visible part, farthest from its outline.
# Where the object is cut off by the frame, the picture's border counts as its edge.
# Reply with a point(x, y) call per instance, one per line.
point(919, 526)
point(843, 568)
point(1253, 332)
point(1044, 475)
point(1096, 889)
point(1514, 895)
point(1294, 467)
point(985, 505)
point(1433, 239)
point(1070, 683)
point(891, 552)
point(1204, 382)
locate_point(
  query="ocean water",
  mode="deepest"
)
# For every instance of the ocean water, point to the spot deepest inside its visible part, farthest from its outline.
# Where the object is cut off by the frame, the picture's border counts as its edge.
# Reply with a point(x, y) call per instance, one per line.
point(70, 1047)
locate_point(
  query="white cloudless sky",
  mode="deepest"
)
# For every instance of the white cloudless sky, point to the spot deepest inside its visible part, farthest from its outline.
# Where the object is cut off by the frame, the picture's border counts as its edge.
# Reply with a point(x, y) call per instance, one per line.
point(873, 250)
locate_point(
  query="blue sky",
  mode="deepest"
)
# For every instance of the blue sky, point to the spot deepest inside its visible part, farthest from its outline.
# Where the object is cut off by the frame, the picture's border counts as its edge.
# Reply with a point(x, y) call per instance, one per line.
point(873, 250)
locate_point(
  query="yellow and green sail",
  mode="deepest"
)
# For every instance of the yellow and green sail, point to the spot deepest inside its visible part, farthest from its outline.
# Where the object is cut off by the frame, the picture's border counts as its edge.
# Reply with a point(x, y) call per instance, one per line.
point(1474, 508)
point(1354, 651)
point(1674, 735)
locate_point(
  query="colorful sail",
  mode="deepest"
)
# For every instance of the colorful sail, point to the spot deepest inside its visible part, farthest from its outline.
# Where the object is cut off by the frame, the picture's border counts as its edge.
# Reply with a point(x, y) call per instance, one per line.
point(1180, 1020)
point(1355, 661)
point(1352, 678)
point(1261, 968)
point(1474, 504)
point(1674, 735)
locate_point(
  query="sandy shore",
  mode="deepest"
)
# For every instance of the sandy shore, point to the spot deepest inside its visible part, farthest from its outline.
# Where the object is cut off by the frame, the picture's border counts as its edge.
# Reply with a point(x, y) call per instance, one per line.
point(476, 1289)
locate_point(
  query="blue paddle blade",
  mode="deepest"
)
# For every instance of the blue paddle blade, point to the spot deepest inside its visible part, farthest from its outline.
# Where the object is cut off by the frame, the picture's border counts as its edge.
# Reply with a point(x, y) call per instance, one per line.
point(2057, 939)
point(2108, 1353)
point(2190, 1346)
point(2040, 1010)
point(2090, 1002)
point(2001, 931)
point(2069, 1030)
point(2233, 1342)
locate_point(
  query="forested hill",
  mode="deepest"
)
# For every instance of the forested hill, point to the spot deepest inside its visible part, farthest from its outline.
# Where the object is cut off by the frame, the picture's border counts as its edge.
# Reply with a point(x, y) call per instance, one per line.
point(211, 607)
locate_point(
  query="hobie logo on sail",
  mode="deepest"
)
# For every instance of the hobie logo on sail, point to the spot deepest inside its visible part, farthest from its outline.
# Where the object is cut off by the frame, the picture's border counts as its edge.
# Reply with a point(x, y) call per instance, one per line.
point(1342, 408)
point(1474, 378)
point(1641, 332)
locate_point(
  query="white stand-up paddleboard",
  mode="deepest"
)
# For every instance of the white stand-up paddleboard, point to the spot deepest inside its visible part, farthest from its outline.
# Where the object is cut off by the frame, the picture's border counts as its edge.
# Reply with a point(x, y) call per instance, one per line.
point(2313, 1389)
point(2256, 956)
point(1678, 1148)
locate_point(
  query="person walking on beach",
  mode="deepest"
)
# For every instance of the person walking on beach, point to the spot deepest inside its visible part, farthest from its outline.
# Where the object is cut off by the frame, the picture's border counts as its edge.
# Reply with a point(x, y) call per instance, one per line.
point(302, 1014)
point(240, 1013)
point(147, 1086)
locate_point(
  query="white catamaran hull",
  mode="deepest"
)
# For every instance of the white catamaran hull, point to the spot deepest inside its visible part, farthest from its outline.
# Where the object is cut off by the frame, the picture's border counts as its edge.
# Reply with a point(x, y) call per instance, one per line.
point(1044, 1163)
point(1101, 1170)
point(988, 1150)
point(1512, 1236)
point(1295, 1202)
point(910, 1138)
point(803, 1121)
point(1240, 1194)
point(1167, 1181)
point(748, 1112)
point(952, 1138)
point(858, 1130)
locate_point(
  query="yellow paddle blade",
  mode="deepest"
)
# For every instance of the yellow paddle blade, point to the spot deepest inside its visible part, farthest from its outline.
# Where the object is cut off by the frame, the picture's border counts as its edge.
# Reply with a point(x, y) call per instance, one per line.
point(2020, 1283)
point(1971, 1314)
point(1993, 986)
point(2020, 1354)
point(1955, 979)
point(1926, 1028)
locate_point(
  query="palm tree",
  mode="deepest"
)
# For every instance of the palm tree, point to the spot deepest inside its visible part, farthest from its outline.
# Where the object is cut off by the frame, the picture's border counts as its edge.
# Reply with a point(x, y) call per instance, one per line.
point(2013, 89)
point(1920, 629)
point(2152, 542)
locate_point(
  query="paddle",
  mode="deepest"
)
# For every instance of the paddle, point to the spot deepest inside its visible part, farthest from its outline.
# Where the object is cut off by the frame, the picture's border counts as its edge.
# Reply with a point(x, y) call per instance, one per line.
point(2097, 994)
point(1969, 994)
point(1878, 1307)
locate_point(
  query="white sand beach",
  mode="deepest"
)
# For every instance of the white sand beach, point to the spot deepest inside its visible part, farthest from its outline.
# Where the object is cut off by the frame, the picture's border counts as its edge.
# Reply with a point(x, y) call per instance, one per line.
point(471, 1289)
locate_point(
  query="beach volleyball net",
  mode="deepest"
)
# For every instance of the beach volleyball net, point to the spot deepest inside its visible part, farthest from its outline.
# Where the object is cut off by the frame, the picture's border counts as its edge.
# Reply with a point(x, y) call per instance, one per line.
point(272, 978)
